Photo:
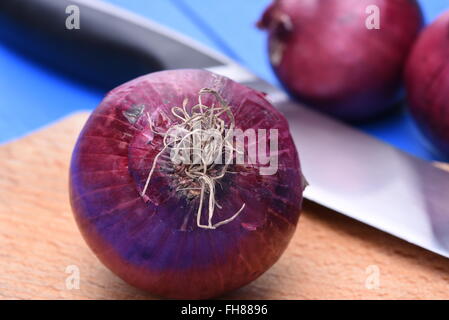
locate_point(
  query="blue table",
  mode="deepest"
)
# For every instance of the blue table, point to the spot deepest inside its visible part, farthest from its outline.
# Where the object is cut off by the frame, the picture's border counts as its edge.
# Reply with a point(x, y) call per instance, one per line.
point(31, 96)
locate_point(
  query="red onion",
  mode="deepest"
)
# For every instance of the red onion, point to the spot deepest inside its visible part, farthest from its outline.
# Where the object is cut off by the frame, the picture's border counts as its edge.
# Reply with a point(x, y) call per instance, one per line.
point(427, 82)
point(330, 54)
point(137, 208)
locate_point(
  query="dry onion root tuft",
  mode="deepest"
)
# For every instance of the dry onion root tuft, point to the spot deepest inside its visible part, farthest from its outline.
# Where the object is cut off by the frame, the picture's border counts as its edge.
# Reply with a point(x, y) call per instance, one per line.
point(202, 124)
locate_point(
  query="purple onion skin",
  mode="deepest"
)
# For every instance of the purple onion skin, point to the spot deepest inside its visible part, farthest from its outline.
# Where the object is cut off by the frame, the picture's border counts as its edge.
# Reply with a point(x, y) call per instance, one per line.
point(330, 60)
point(146, 241)
point(427, 82)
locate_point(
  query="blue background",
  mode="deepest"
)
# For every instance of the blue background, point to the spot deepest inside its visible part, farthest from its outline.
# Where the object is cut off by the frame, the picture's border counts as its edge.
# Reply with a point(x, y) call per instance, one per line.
point(31, 96)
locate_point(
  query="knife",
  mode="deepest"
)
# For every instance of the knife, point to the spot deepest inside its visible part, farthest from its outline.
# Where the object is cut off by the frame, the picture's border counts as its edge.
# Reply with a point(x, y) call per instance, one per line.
point(348, 170)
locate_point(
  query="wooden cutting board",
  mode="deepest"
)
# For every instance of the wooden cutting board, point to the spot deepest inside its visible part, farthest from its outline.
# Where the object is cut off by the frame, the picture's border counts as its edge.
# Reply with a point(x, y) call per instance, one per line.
point(330, 256)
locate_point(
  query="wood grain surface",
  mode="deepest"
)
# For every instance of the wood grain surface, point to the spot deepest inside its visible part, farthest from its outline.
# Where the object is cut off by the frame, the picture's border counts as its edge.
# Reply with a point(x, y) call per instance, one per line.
point(330, 256)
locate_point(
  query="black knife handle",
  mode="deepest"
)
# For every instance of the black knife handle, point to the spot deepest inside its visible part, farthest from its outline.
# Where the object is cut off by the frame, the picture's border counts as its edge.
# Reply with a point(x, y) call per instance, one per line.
point(110, 47)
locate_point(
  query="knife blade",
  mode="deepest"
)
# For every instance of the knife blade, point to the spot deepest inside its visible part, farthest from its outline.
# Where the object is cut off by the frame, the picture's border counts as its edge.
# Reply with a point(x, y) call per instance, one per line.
point(348, 170)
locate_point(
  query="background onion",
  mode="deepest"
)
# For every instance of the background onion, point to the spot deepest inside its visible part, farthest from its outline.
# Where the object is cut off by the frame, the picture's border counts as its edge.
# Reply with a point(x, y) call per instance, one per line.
point(152, 241)
point(427, 82)
point(323, 53)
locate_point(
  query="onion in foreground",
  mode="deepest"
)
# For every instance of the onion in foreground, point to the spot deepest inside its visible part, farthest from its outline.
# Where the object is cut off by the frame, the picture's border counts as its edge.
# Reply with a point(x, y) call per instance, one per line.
point(342, 57)
point(162, 195)
point(427, 82)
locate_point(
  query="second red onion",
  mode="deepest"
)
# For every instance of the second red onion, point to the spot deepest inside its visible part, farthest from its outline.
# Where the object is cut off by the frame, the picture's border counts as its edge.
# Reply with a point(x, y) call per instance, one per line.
point(345, 57)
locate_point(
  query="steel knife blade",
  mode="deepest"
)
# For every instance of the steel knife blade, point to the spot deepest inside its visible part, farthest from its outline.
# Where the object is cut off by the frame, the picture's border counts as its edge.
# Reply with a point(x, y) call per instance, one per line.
point(347, 170)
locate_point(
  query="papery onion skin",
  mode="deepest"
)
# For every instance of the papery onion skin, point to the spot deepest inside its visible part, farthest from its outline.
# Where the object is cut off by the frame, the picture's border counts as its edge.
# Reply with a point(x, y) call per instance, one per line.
point(427, 82)
point(146, 243)
point(323, 53)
